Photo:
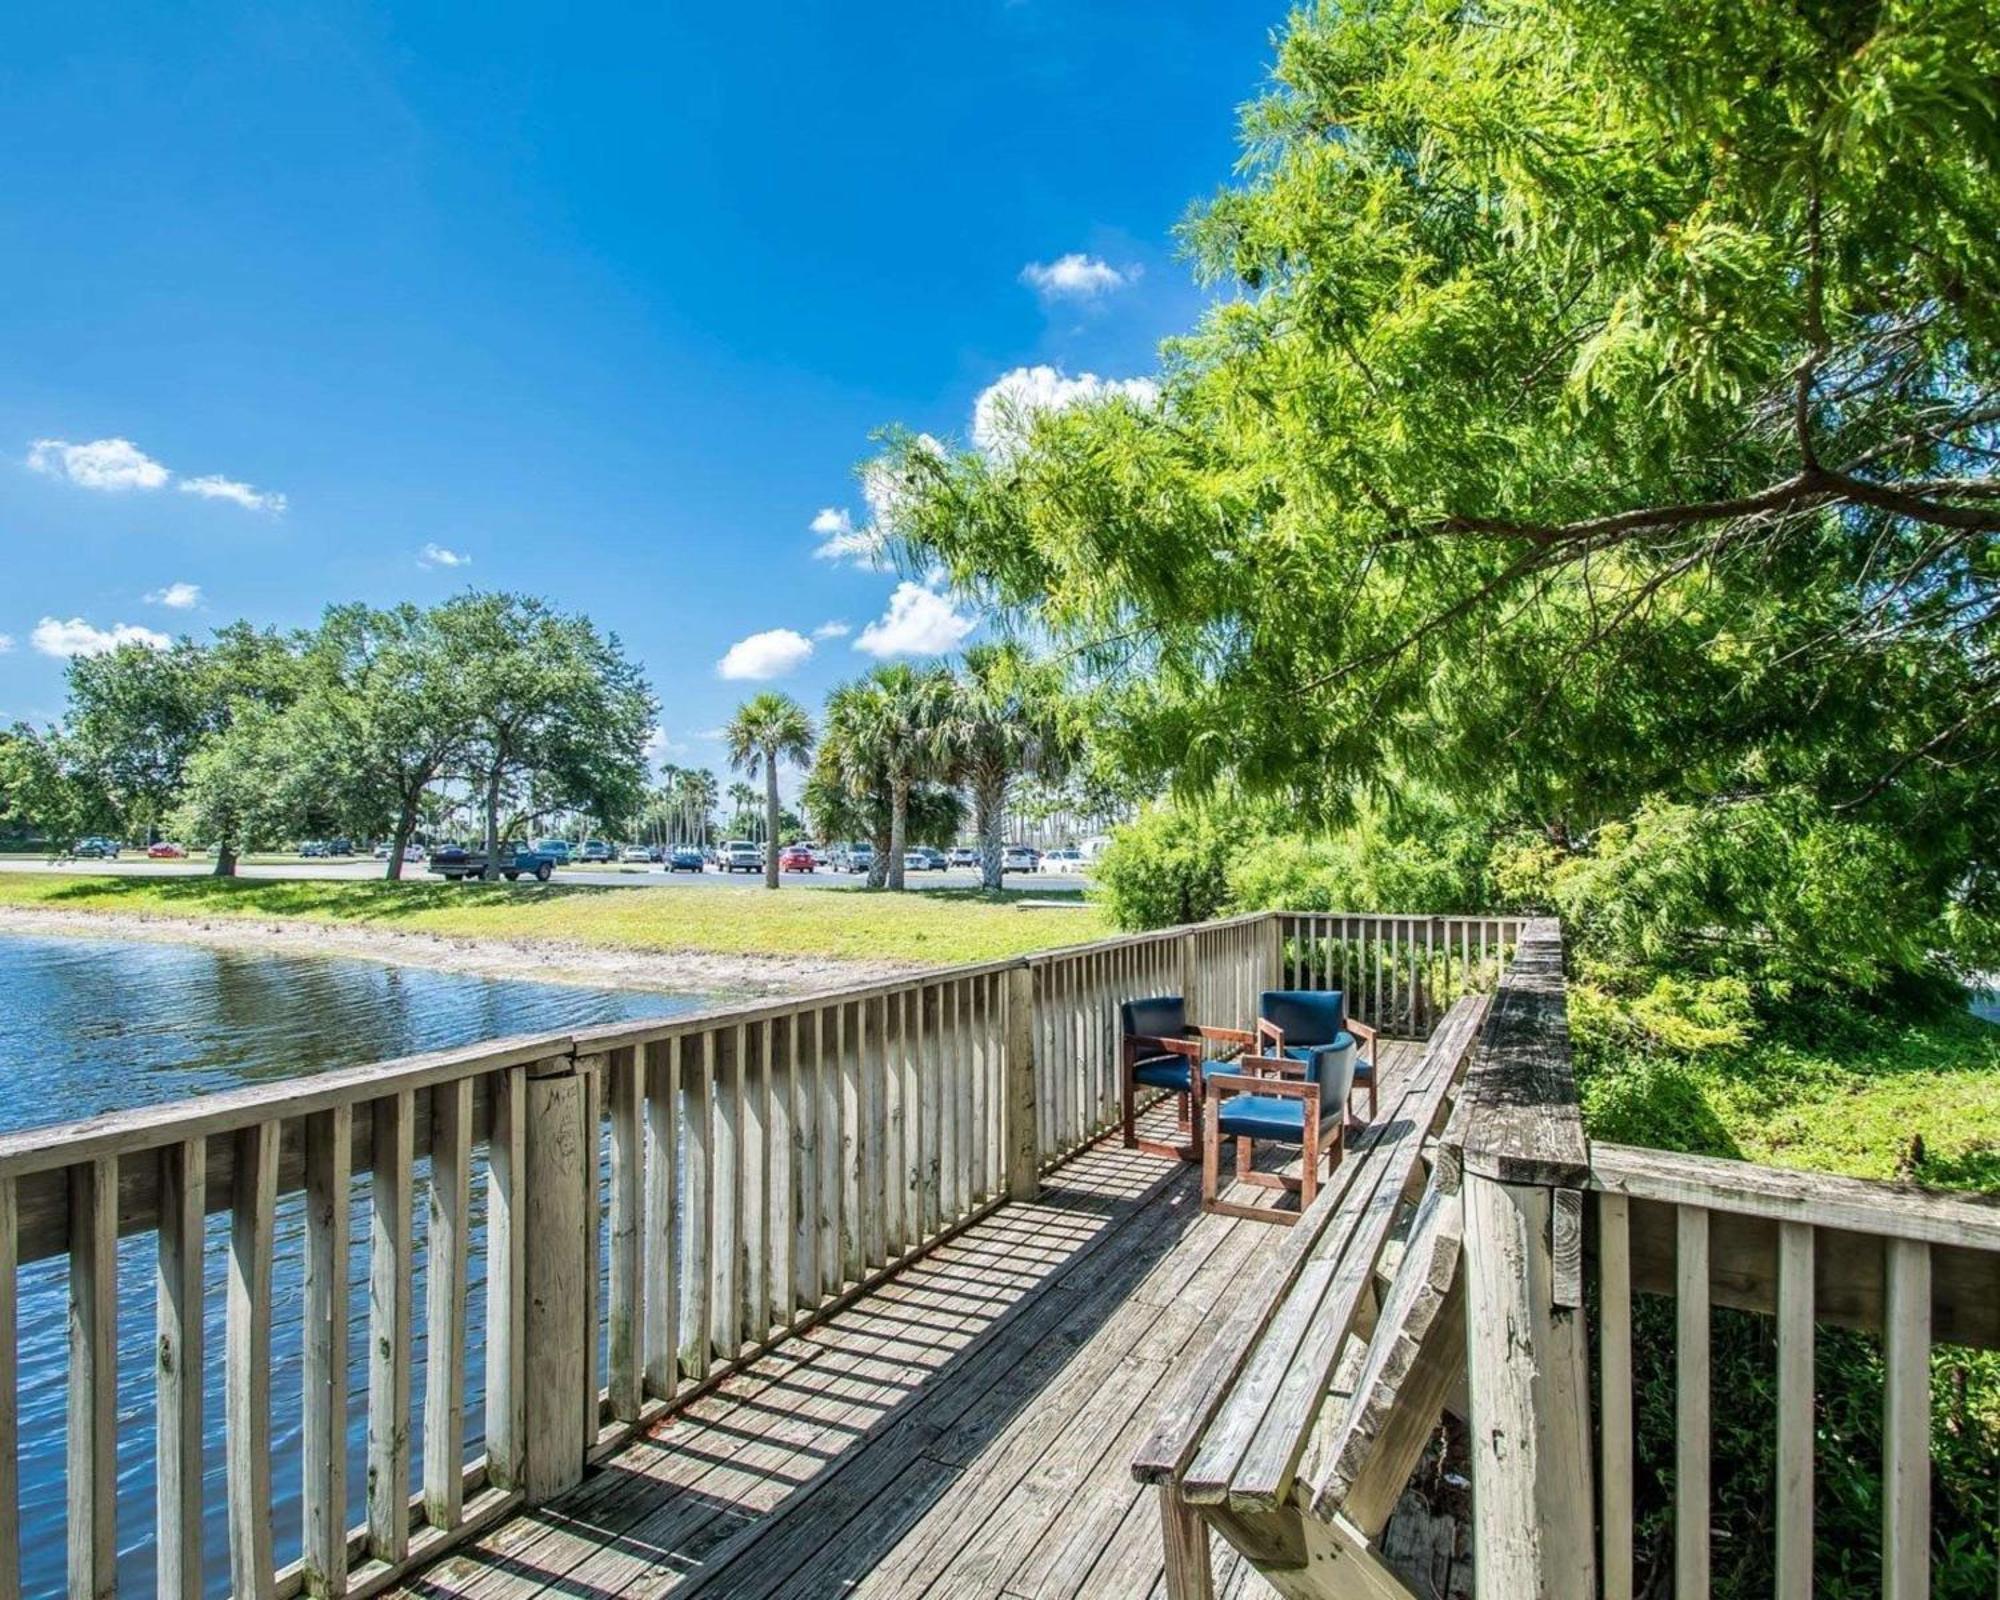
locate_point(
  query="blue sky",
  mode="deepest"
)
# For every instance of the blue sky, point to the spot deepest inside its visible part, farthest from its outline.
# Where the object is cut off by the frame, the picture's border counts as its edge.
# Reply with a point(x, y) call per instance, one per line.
point(603, 302)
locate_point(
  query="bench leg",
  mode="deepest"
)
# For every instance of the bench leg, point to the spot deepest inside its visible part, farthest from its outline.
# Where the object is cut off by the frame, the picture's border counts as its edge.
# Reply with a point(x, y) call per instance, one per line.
point(1184, 1537)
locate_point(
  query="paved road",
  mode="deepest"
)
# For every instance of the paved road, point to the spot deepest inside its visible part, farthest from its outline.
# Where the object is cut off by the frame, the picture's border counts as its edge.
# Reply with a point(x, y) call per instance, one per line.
point(627, 878)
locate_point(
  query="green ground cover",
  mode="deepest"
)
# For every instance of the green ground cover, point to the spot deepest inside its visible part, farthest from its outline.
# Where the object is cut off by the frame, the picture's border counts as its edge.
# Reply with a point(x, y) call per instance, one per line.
point(934, 928)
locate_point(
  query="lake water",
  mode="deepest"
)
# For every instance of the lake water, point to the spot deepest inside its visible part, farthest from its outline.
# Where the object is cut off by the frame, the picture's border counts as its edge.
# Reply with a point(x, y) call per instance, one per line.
point(90, 1025)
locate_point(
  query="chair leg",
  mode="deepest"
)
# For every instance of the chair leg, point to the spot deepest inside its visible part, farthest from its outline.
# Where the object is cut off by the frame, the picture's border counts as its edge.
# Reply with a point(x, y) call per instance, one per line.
point(1309, 1168)
point(1244, 1155)
point(1126, 1109)
point(1211, 1154)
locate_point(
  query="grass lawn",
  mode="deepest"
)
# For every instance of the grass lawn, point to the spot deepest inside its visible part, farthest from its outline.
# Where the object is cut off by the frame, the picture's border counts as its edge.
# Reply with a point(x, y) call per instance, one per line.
point(1868, 1096)
point(939, 927)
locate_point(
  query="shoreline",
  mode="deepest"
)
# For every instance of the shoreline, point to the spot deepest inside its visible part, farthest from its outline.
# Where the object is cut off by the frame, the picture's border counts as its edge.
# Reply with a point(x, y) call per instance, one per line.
point(529, 960)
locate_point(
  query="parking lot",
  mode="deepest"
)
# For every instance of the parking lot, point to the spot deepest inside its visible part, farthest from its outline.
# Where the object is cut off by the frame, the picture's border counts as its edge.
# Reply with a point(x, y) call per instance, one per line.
point(632, 877)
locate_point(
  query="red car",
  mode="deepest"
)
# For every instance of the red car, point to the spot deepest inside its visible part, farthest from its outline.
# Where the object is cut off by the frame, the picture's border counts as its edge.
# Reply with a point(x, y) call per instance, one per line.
point(164, 851)
point(795, 858)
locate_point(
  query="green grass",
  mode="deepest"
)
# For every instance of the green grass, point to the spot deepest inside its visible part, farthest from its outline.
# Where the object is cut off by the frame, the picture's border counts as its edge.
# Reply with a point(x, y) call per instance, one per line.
point(1847, 1092)
point(931, 928)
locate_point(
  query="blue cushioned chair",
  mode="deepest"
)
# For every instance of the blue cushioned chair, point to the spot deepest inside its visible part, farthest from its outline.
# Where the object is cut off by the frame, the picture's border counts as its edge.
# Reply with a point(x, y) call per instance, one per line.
point(1295, 1091)
point(1305, 1024)
point(1161, 1049)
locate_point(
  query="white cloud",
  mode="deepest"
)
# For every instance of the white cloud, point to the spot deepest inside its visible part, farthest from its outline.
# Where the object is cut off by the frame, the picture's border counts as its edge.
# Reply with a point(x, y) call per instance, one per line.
point(178, 596)
point(662, 746)
point(214, 486)
point(435, 555)
point(840, 540)
point(771, 654)
point(119, 464)
point(6, 643)
point(112, 464)
point(832, 630)
point(1076, 276)
point(78, 638)
point(1006, 408)
point(919, 622)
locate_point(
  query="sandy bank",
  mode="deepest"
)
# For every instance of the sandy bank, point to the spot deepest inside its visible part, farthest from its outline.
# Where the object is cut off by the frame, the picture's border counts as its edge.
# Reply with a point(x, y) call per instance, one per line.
point(537, 960)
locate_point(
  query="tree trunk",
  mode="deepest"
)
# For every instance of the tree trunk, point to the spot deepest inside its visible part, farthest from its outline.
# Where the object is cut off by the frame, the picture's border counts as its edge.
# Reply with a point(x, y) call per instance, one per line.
point(770, 819)
point(406, 824)
point(225, 860)
point(989, 809)
point(878, 866)
point(492, 872)
point(899, 830)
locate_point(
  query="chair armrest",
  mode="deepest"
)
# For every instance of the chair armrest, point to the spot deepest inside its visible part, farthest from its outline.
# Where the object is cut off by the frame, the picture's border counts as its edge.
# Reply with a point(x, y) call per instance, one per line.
point(1191, 1048)
point(1224, 1035)
point(1362, 1031)
point(1270, 1031)
point(1273, 1066)
point(1221, 1084)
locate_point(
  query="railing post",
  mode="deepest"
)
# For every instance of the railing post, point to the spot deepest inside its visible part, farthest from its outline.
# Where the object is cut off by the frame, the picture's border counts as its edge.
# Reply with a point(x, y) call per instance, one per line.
point(1524, 1163)
point(1023, 1152)
point(552, 1373)
point(1191, 979)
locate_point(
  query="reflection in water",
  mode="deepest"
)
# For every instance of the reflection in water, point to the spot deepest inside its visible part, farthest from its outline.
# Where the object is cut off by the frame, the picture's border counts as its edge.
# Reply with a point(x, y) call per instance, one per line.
point(89, 1026)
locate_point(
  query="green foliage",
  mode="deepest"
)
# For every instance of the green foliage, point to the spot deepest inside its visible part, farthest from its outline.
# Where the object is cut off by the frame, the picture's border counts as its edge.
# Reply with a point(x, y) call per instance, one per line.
point(1170, 865)
point(1604, 418)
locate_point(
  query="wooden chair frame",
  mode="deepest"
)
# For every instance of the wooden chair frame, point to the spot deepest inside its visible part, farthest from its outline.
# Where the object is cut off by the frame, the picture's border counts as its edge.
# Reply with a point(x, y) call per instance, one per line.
point(1189, 1100)
point(1366, 1037)
point(1285, 1078)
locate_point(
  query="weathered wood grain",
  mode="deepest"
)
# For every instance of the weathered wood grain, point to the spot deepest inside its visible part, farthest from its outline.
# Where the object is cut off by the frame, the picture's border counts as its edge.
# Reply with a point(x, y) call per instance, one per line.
point(323, 1402)
point(177, 1370)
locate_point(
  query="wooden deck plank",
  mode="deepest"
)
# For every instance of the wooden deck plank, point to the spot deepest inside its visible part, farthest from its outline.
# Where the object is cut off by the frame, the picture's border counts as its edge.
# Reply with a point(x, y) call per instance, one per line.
point(962, 1429)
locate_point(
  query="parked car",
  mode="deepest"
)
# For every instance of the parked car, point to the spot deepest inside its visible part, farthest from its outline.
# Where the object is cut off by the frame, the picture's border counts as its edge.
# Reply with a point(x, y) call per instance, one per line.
point(656, 852)
point(922, 858)
point(1070, 861)
point(97, 848)
point(313, 847)
point(740, 855)
point(635, 852)
point(855, 856)
point(163, 851)
point(796, 858)
point(963, 855)
point(457, 862)
point(1020, 858)
point(557, 850)
point(822, 857)
point(596, 850)
point(686, 858)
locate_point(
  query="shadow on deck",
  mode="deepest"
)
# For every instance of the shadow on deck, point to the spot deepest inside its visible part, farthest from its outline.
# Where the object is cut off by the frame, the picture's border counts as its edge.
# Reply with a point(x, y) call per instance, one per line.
point(964, 1430)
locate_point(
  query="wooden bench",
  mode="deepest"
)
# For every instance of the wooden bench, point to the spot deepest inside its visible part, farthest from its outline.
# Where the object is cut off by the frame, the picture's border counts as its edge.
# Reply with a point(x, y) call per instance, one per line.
point(1263, 1441)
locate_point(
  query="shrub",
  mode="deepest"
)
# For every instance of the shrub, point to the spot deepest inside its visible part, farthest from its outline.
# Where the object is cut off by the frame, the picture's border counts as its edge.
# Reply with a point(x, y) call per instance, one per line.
point(1170, 866)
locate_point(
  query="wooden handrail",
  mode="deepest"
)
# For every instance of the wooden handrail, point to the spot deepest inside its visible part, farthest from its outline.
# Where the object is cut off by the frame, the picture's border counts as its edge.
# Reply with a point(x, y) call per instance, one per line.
point(1824, 1200)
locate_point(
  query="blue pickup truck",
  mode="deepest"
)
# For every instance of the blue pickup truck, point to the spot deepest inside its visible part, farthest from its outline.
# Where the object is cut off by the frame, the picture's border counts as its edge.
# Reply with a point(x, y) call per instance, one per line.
point(456, 862)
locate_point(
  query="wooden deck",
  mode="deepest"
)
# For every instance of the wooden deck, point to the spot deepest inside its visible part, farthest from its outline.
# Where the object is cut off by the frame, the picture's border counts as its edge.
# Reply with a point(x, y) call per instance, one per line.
point(965, 1430)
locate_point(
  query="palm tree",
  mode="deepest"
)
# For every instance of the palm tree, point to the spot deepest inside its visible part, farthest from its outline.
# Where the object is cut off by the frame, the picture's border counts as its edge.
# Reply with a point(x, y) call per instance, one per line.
point(769, 728)
point(743, 798)
point(695, 793)
point(1003, 717)
point(889, 727)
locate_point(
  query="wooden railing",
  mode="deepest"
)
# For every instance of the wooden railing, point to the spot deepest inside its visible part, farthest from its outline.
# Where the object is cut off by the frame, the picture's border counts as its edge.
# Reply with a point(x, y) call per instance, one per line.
point(1912, 1267)
point(612, 1221)
point(1402, 973)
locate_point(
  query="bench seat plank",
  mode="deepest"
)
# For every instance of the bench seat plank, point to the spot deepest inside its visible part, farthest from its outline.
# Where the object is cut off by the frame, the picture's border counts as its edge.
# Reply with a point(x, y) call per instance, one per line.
point(1252, 1401)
